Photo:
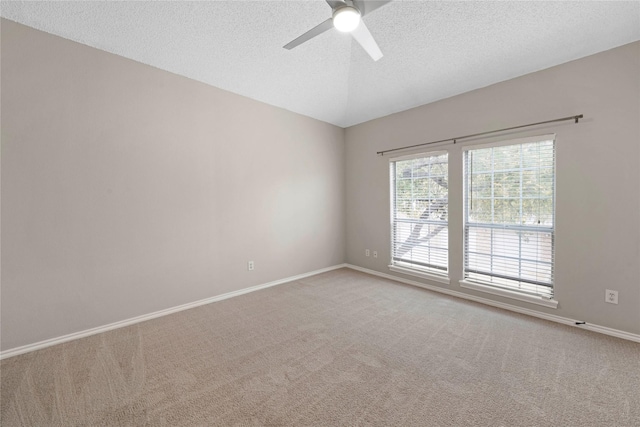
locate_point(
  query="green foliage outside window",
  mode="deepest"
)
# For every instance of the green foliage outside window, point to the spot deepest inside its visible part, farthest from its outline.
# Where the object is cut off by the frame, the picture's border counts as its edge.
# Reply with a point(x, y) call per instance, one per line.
point(519, 189)
point(421, 188)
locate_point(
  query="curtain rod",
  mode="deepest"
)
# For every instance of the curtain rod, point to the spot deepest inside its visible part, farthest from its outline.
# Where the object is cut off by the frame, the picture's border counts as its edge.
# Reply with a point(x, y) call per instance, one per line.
point(456, 139)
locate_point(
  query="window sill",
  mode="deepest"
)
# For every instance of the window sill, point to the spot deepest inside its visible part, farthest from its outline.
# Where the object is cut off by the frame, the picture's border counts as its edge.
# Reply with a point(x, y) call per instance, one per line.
point(509, 294)
point(422, 274)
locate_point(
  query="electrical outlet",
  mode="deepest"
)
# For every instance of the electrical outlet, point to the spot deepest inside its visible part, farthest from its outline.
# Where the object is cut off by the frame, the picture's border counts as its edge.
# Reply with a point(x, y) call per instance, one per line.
point(366, 252)
point(375, 254)
point(250, 266)
point(611, 296)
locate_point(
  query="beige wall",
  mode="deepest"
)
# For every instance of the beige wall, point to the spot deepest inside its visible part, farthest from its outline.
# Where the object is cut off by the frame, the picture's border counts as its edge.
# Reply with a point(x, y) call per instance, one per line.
point(598, 178)
point(127, 189)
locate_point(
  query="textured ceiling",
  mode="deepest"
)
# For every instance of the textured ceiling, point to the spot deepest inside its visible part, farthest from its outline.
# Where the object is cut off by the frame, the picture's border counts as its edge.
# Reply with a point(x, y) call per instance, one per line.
point(432, 49)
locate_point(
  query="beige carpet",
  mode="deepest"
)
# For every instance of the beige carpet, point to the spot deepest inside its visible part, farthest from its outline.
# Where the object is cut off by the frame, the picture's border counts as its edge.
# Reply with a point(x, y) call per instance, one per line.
point(338, 349)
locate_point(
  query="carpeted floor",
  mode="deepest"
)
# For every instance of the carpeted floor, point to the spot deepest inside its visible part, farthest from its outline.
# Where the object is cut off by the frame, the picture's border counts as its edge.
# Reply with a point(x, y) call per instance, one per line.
point(338, 349)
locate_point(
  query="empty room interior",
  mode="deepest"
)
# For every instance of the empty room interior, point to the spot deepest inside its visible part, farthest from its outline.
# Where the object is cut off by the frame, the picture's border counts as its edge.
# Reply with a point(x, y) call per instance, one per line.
point(320, 213)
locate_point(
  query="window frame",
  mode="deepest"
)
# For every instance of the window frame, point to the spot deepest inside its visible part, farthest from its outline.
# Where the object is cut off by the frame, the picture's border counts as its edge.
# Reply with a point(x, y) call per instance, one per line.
point(431, 273)
point(496, 289)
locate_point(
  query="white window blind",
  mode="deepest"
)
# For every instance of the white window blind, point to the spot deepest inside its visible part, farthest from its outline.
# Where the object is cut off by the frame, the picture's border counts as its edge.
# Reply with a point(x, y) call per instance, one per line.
point(509, 215)
point(419, 212)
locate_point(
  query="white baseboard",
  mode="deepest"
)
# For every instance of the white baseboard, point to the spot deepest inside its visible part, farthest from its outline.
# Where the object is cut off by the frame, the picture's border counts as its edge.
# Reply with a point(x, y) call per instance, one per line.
point(552, 317)
point(76, 335)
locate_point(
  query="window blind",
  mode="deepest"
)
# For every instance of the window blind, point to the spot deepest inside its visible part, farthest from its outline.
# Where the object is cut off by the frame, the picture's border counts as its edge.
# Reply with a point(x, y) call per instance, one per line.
point(419, 212)
point(509, 206)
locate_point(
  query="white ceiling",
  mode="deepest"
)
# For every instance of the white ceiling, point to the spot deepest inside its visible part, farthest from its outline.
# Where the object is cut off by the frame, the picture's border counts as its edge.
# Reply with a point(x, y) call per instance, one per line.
point(432, 49)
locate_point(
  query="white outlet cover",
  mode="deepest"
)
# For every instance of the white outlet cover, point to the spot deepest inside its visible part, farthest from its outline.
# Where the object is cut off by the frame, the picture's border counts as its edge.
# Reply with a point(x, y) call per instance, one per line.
point(375, 254)
point(366, 252)
point(611, 296)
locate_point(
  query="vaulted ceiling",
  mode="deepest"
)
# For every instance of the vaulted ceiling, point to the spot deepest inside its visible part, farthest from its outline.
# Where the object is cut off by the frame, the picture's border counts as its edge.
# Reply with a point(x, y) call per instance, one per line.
point(432, 49)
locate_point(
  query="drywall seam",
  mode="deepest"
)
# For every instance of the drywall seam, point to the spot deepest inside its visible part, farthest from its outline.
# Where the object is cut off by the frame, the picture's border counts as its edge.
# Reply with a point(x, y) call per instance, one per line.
point(120, 324)
point(552, 317)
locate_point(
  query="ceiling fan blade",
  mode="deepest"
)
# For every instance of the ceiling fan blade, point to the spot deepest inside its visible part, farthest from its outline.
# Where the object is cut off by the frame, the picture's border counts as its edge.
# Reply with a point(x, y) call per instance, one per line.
point(317, 30)
point(366, 7)
point(364, 37)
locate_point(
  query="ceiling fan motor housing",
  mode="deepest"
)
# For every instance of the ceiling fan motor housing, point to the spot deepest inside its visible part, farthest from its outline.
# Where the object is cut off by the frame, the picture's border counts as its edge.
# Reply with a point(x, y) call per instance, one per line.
point(346, 18)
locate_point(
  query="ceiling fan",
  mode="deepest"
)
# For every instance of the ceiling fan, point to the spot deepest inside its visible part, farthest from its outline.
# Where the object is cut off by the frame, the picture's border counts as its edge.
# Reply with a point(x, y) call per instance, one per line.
point(346, 17)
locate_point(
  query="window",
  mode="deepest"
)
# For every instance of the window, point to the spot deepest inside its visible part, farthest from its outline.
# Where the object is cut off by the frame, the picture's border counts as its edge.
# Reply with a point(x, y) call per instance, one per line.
point(419, 217)
point(509, 196)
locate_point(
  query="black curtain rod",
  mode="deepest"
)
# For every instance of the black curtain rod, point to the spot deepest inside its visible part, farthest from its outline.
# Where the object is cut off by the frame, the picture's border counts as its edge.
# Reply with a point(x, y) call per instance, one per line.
point(456, 139)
